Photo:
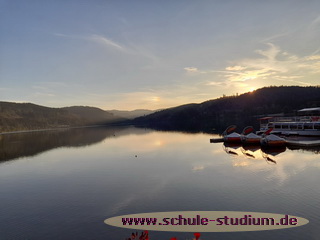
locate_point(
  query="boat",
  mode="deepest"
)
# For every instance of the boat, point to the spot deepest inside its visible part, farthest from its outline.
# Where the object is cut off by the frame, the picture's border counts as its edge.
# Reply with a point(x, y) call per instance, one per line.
point(248, 137)
point(233, 138)
point(272, 141)
point(307, 123)
point(230, 136)
point(251, 138)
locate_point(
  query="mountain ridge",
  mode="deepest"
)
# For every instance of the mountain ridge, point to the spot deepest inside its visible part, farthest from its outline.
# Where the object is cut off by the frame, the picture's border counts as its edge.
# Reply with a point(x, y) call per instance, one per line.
point(211, 114)
point(241, 109)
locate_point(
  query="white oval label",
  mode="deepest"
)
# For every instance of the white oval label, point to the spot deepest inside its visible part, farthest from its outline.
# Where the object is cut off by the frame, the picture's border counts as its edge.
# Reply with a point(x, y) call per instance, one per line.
point(206, 221)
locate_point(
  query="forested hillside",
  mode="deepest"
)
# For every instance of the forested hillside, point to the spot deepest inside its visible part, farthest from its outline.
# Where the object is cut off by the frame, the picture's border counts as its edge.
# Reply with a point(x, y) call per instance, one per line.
point(241, 110)
point(28, 116)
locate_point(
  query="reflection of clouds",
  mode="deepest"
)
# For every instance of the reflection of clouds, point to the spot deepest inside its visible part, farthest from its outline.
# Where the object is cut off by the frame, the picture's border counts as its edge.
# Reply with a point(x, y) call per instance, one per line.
point(153, 141)
point(289, 164)
point(276, 165)
point(123, 204)
point(147, 192)
point(216, 151)
point(159, 143)
point(317, 165)
point(205, 156)
point(241, 163)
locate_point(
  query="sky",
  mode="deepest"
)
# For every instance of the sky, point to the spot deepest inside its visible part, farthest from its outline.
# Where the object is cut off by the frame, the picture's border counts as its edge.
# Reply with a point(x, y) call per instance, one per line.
point(150, 54)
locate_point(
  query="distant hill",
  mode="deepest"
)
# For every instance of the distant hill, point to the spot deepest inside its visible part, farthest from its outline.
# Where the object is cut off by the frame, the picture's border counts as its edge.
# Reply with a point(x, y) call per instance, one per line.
point(91, 115)
point(241, 110)
point(131, 114)
point(28, 116)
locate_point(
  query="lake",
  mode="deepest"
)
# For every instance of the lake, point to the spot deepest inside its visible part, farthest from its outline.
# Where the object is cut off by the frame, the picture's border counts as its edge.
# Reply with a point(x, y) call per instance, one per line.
point(63, 184)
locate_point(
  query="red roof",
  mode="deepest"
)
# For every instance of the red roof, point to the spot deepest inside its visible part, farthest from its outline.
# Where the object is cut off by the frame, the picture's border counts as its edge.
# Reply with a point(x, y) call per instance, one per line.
point(265, 118)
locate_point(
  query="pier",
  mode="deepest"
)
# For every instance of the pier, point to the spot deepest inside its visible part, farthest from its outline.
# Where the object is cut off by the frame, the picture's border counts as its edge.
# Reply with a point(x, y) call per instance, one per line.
point(296, 143)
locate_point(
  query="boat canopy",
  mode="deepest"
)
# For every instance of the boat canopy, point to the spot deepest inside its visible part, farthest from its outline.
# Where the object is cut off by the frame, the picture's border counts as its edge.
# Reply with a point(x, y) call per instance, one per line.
point(265, 118)
point(309, 111)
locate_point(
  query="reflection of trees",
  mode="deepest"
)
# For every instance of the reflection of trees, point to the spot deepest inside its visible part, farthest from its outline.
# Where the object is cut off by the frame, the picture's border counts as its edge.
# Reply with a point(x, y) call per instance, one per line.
point(17, 145)
point(315, 150)
point(269, 153)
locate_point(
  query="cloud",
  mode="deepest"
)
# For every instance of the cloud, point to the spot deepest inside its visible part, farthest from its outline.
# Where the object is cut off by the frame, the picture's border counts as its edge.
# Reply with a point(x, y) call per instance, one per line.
point(270, 53)
point(312, 57)
point(47, 85)
point(213, 83)
point(39, 94)
point(5, 89)
point(191, 69)
point(315, 22)
point(154, 98)
point(107, 42)
point(276, 36)
point(235, 68)
point(130, 48)
point(63, 35)
point(95, 38)
point(274, 64)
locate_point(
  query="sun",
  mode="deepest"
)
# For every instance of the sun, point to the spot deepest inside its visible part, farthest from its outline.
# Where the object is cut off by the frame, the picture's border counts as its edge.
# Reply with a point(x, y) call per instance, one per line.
point(252, 89)
point(155, 99)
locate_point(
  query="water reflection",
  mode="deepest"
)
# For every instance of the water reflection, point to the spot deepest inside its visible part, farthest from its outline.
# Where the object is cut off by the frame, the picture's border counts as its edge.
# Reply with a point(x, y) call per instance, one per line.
point(315, 150)
point(92, 174)
point(17, 145)
point(258, 152)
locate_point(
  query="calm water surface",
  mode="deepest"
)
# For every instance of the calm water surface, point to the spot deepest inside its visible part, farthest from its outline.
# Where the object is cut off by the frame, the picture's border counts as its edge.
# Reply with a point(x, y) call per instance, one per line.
point(64, 184)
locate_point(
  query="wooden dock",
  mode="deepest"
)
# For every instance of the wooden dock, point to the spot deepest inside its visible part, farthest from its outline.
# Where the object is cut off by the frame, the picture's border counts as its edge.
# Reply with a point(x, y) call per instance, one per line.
point(216, 140)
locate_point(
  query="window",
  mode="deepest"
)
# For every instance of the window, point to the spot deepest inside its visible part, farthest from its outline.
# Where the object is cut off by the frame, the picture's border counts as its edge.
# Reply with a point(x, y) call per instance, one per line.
point(308, 126)
point(293, 126)
point(317, 126)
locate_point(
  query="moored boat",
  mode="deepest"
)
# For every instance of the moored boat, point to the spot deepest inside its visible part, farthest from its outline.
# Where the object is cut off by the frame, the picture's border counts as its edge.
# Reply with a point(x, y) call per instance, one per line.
point(251, 138)
point(272, 141)
point(230, 136)
point(248, 137)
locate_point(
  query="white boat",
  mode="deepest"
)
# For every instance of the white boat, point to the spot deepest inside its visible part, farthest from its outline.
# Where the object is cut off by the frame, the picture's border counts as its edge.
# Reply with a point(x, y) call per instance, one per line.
point(306, 124)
